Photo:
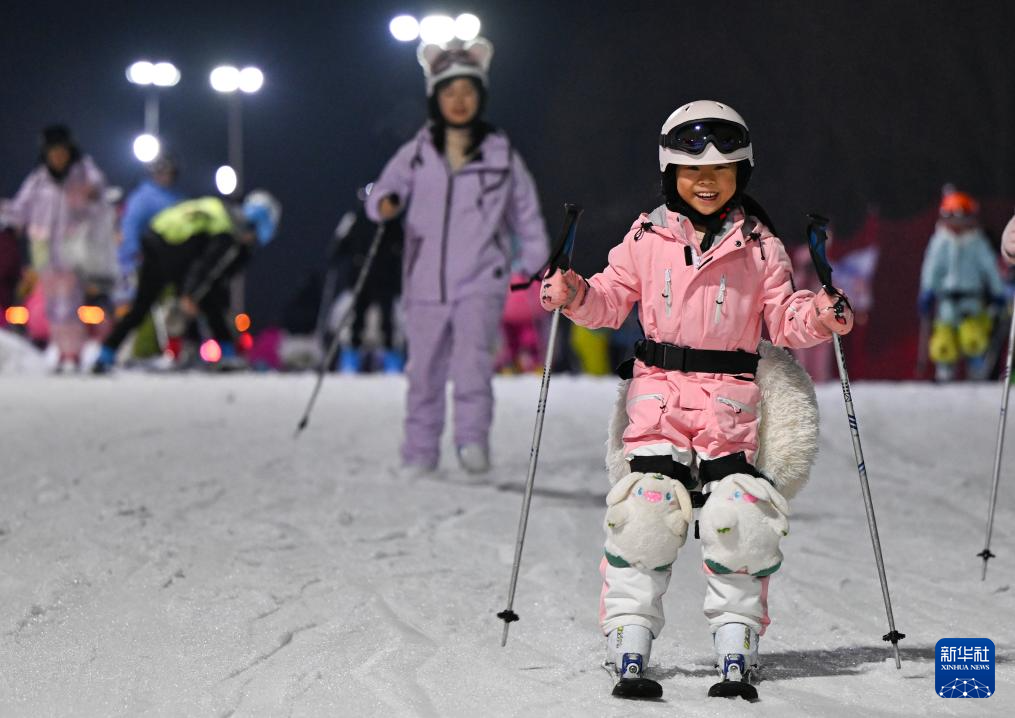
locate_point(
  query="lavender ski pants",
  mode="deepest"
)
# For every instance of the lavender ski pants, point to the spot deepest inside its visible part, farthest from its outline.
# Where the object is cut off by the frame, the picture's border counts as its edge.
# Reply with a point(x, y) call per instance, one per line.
point(449, 341)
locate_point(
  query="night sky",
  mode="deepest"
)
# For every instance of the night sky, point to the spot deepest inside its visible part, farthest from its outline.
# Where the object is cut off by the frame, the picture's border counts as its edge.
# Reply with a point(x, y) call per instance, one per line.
point(851, 104)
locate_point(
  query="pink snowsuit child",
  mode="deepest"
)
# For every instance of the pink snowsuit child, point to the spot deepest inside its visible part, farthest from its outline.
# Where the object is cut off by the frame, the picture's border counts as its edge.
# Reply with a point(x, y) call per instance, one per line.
point(705, 273)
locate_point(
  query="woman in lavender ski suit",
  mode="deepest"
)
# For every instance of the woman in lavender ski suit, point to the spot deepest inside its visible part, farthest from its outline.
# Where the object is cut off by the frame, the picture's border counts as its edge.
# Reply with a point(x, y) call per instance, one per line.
point(464, 191)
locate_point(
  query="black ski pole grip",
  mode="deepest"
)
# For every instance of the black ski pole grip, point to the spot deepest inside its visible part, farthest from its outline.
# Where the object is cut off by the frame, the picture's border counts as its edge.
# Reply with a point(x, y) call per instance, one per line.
point(560, 257)
point(817, 239)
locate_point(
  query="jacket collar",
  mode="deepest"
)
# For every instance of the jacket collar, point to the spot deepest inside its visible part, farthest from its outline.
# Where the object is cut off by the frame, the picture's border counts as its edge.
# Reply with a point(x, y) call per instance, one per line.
point(678, 227)
point(494, 154)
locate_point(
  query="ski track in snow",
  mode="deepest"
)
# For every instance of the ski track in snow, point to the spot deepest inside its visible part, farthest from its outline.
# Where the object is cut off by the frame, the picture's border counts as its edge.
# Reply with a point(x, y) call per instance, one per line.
point(167, 548)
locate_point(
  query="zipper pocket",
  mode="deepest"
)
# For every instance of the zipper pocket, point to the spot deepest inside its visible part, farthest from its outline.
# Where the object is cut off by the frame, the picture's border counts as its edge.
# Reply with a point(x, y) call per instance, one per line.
point(667, 294)
point(646, 397)
point(737, 406)
point(720, 298)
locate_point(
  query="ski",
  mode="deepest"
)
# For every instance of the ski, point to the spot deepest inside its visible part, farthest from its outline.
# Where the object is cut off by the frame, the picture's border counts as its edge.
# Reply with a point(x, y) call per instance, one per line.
point(631, 684)
point(737, 683)
point(733, 689)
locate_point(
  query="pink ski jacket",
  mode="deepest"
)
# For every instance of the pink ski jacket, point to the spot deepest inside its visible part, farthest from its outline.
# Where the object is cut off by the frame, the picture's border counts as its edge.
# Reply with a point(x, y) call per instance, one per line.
point(711, 300)
point(1008, 242)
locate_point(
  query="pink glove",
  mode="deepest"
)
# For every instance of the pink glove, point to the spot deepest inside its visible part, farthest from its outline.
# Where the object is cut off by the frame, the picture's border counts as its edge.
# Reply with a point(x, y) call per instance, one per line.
point(563, 290)
point(824, 305)
point(1008, 242)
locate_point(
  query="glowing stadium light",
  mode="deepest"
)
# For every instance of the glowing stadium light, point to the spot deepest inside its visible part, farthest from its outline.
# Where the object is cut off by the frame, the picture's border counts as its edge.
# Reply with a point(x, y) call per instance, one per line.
point(225, 78)
point(404, 28)
point(225, 180)
point(211, 352)
point(91, 315)
point(466, 27)
point(146, 147)
point(438, 29)
point(251, 80)
point(16, 315)
point(165, 74)
point(141, 72)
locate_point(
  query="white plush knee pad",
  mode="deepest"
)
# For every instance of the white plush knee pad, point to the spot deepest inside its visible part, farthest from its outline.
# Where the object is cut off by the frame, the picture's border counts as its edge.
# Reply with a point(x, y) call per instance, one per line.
point(646, 521)
point(741, 526)
point(628, 639)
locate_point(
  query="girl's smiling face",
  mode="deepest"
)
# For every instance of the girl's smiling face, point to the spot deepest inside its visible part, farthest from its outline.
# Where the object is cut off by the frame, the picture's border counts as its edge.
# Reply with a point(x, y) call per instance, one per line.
point(458, 101)
point(707, 188)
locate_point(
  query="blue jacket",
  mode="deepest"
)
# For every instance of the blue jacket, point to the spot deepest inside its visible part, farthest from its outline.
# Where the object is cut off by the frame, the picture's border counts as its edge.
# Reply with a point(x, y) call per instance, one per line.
point(146, 201)
point(960, 271)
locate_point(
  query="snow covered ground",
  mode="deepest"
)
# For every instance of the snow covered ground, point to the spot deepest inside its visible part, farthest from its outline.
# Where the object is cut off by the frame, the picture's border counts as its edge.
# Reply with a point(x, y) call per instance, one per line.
point(168, 549)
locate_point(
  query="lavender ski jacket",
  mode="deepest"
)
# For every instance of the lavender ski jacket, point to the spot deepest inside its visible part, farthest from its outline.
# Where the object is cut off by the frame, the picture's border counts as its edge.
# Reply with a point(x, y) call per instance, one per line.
point(458, 225)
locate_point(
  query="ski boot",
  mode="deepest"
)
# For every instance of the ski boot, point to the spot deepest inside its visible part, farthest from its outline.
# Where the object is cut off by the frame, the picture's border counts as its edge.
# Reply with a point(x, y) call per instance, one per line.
point(474, 458)
point(736, 647)
point(230, 360)
point(105, 361)
point(944, 373)
point(349, 361)
point(392, 362)
point(627, 651)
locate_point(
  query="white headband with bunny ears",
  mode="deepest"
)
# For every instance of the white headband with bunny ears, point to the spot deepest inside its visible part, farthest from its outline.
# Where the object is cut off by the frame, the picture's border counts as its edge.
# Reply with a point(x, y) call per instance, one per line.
point(455, 59)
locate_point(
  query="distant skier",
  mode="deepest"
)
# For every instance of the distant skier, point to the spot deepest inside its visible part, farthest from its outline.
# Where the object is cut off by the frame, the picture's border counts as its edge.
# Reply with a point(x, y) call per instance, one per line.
point(705, 271)
point(381, 288)
point(61, 210)
point(959, 285)
point(197, 245)
point(153, 195)
point(464, 190)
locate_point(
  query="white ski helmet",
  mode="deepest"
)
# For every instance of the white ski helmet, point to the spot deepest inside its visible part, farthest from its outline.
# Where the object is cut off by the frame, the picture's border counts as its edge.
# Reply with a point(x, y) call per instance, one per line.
point(704, 132)
point(263, 211)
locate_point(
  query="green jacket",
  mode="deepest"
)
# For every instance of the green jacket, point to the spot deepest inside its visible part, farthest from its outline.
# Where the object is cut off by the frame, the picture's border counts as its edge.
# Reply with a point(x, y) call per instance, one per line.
point(201, 235)
point(181, 222)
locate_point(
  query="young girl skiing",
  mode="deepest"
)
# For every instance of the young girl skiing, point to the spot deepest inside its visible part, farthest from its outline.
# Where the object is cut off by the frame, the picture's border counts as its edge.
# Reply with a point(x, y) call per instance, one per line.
point(464, 191)
point(705, 273)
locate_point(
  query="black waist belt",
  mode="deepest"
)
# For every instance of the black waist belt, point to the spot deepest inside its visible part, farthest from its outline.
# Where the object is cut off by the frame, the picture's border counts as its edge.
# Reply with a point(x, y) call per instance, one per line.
point(958, 296)
point(712, 361)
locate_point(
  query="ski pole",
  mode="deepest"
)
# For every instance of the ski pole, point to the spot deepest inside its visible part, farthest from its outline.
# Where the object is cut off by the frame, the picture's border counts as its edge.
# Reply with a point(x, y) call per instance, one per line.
point(922, 349)
point(559, 259)
point(1005, 390)
point(329, 356)
point(331, 276)
point(816, 238)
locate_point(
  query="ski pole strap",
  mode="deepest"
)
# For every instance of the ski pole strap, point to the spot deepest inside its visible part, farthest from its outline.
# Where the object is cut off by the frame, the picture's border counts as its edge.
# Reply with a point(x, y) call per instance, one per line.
point(713, 361)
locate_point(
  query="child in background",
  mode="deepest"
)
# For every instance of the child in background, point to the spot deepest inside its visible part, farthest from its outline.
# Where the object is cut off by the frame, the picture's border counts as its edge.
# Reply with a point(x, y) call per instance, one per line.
point(959, 285)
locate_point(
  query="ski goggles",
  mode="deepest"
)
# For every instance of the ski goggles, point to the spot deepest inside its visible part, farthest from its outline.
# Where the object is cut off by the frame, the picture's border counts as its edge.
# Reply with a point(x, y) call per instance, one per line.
point(694, 137)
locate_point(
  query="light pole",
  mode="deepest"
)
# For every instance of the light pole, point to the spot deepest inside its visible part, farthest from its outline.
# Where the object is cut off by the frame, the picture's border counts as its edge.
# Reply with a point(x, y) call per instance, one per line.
point(152, 76)
point(232, 81)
